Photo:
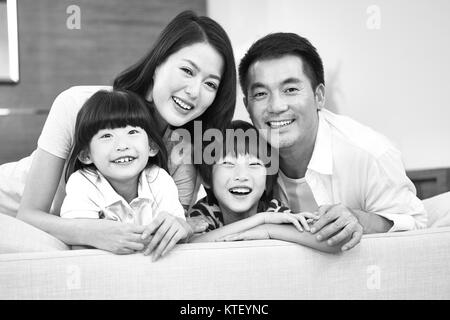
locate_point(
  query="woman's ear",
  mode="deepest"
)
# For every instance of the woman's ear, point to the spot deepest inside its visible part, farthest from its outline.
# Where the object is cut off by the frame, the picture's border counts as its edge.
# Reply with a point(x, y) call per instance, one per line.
point(85, 157)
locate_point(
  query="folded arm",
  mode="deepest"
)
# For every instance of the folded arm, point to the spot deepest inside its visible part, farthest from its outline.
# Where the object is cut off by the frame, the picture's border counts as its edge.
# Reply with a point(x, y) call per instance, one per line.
point(42, 183)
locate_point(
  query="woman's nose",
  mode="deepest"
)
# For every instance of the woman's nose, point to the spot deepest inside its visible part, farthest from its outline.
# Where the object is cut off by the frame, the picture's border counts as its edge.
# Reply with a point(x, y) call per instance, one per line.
point(193, 88)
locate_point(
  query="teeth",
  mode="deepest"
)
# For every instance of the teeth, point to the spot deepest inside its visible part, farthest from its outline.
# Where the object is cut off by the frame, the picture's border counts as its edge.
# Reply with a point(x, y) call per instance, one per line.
point(182, 104)
point(240, 190)
point(279, 124)
point(123, 160)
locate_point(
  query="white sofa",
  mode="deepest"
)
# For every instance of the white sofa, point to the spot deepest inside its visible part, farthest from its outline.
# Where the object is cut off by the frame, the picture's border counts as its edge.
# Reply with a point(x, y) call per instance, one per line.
point(403, 265)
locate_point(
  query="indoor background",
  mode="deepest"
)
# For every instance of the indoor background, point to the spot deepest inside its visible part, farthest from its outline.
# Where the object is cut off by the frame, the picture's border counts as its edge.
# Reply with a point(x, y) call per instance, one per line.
point(386, 62)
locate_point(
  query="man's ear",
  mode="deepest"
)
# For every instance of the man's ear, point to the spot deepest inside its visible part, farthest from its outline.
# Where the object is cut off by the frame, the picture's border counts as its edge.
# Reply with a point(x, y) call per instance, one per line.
point(319, 96)
point(85, 157)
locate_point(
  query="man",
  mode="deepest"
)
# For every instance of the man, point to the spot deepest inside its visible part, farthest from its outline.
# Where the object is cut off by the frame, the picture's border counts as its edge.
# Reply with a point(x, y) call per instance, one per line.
point(330, 164)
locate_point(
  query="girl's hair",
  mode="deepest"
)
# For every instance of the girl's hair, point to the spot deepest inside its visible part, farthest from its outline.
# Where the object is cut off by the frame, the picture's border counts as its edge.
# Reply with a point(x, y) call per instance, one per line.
point(110, 110)
point(186, 29)
point(249, 142)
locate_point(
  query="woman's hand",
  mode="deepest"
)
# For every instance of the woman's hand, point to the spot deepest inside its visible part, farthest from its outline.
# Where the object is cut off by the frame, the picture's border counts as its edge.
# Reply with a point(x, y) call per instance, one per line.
point(116, 237)
point(295, 218)
point(164, 232)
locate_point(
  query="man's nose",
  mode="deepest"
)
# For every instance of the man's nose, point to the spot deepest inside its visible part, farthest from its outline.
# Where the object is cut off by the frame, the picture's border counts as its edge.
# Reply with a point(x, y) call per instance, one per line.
point(277, 104)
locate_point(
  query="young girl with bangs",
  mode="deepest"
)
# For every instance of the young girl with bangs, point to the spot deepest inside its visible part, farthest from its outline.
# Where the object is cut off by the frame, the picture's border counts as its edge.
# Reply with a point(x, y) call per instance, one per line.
point(116, 169)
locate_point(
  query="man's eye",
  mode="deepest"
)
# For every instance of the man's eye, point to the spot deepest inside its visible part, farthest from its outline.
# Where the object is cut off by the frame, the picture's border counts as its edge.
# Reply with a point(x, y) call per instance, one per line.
point(187, 71)
point(291, 90)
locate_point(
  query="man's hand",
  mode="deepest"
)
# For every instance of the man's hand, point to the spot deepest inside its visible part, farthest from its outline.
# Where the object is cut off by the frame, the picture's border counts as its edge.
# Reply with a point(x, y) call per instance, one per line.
point(165, 231)
point(338, 224)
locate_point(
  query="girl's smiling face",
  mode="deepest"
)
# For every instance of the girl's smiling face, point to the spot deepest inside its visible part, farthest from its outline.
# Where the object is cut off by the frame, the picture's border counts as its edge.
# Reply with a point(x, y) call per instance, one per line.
point(120, 154)
point(186, 84)
point(238, 183)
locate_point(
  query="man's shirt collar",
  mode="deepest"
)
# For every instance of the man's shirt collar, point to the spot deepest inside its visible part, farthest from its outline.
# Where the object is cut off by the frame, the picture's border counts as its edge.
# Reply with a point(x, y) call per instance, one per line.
point(322, 157)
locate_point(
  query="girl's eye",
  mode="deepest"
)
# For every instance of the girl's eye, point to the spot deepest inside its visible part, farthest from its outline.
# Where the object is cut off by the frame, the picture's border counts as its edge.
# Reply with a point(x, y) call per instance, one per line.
point(187, 71)
point(227, 163)
point(212, 85)
point(133, 131)
point(256, 164)
point(106, 135)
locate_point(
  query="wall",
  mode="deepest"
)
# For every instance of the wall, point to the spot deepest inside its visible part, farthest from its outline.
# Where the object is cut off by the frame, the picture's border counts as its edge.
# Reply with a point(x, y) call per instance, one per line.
point(393, 78)
point(113, 34)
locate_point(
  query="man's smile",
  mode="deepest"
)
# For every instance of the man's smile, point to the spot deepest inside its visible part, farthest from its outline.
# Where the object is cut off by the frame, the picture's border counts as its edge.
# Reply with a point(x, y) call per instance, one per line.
point(276, 124)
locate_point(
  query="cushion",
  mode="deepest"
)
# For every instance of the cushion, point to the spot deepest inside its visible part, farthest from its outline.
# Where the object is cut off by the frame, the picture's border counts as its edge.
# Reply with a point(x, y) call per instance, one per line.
point(438, 208)
point(18, 236)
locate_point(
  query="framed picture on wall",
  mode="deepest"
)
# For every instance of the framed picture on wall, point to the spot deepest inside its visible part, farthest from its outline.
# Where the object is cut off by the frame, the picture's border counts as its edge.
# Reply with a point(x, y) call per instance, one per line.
point(9, 46)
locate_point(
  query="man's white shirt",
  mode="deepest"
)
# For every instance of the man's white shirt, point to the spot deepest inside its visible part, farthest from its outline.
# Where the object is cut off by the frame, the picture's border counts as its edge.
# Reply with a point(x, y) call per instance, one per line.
point(353, 165)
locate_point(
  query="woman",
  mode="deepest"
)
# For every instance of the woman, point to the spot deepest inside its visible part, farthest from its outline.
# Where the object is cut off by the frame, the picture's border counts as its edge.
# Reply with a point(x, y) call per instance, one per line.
point(188, 75)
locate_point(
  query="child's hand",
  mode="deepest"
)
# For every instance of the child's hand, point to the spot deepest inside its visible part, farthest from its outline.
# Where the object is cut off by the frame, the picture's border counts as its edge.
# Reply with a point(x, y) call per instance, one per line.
point(166, 230)
point(257, 233)
point(198, 224)
point(295, 218)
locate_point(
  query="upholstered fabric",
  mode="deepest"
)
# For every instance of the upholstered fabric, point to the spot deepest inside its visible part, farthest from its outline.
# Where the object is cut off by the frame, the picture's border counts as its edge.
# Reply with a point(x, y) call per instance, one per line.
point(406, 265)
point(438, 209)
point(18, 236)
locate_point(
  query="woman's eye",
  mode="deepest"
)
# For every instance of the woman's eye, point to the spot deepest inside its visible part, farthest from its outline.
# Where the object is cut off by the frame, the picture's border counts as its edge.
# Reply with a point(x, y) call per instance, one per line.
point(212, 85)
point(259, 94)
point(187, 71)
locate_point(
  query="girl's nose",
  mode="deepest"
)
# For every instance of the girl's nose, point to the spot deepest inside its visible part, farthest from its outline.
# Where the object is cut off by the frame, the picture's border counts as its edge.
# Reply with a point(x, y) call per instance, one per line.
point(240, 174)
point(121, 145)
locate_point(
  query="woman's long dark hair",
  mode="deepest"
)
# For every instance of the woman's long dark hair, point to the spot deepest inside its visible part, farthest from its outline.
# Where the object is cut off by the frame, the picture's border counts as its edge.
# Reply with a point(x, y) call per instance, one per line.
point(186, 29)
point(110, 110)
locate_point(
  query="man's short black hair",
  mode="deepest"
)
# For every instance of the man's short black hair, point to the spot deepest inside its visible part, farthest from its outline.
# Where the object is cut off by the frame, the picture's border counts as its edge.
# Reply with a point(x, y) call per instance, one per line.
point(279, 44)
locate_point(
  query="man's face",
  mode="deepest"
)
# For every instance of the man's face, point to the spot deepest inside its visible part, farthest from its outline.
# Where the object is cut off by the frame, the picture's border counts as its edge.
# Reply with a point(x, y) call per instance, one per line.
point(280, 99)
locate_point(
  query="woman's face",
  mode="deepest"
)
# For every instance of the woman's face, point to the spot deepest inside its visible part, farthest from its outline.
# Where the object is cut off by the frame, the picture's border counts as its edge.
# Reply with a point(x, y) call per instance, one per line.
point(185, 85)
